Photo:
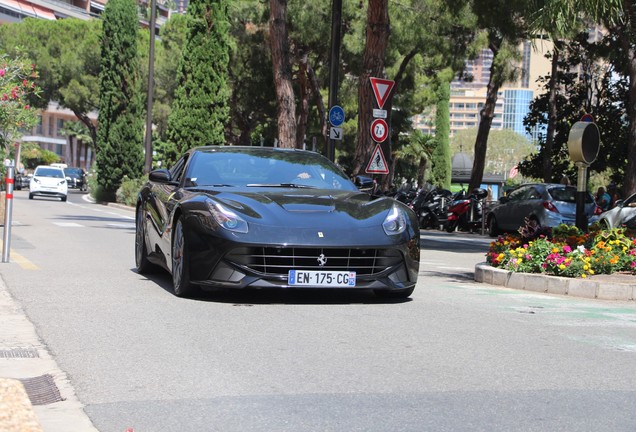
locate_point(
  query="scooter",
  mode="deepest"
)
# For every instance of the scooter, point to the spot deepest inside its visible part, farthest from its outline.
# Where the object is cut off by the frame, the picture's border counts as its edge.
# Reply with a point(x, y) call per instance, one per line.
point(431, 207)
point(465, 214)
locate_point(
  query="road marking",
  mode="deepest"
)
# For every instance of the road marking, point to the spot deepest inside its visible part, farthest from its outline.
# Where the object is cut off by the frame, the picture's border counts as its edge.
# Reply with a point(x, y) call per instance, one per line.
point(121, 225)
point(22, 261)
point(68, 224)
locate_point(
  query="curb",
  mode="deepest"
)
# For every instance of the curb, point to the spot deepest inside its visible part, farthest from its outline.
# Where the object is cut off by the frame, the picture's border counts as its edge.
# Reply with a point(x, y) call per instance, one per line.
point(597, 287)
point(25, 359)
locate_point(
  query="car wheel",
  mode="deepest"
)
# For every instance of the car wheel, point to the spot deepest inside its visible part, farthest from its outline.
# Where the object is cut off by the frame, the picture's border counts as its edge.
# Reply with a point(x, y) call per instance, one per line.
point(180, 262)
point(141, 253)
point(493, 229)
point(63, 198)
point(398, 294)
point(30, 196)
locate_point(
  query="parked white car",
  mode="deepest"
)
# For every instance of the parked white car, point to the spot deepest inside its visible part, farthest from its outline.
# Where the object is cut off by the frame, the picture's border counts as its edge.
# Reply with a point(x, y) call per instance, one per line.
point(624, 213)
point(48, 181)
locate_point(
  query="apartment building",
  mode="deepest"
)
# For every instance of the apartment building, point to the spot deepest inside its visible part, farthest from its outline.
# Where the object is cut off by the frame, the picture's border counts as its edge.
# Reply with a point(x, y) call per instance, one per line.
point(468, 93)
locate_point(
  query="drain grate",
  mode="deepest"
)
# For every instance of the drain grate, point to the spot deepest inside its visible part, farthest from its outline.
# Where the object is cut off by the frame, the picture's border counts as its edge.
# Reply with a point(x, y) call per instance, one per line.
point(41, 389)
point(19, 353)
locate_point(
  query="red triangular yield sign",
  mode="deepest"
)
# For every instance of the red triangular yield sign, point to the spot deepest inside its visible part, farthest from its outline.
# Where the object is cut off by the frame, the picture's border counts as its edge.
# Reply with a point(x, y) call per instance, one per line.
point(377, 163)
point(381, 89)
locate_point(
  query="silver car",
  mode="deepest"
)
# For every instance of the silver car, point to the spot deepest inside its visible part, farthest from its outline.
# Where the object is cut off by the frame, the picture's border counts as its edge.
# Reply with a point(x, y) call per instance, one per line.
point(546, 204)
point(623, 214)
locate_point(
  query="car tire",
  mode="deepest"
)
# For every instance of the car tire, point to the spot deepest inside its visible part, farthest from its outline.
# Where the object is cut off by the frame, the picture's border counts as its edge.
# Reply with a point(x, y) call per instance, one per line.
point(493, 229)
point(30, 196)
point(180, 262)
point(141, 253)
point(397, 294)
point(63, 199)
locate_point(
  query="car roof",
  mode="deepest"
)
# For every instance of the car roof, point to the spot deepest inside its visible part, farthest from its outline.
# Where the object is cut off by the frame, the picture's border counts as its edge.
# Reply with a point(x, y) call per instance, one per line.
point(248, 149)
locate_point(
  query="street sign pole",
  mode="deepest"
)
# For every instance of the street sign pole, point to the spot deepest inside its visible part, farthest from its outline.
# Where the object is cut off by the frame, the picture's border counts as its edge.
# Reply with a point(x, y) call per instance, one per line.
point(336, 22)
point(8, 209)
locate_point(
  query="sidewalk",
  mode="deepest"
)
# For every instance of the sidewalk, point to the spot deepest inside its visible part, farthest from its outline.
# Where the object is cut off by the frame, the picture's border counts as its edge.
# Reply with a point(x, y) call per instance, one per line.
point(604, 287)
point(35, 394)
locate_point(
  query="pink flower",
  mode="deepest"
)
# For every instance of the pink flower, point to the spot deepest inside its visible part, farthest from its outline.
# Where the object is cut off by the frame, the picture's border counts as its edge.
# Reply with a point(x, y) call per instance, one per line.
point(2, 72)
point(567, 249)
point(27, 107)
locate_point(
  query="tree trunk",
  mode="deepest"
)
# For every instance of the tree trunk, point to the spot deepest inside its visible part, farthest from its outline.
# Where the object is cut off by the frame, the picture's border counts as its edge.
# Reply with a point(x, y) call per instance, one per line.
point(303, 114)
point(481, 142)
point(552, 115)
point(377, 39)
point(628, 41)
point(92, 129)
point(279, 45)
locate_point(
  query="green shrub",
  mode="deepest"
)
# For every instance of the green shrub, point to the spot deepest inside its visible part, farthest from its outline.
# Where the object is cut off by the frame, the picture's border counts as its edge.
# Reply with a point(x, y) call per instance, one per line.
point(127, 192)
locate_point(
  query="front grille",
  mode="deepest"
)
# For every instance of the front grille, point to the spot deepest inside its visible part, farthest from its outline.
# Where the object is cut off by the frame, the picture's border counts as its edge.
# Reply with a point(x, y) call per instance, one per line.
point(278, 261)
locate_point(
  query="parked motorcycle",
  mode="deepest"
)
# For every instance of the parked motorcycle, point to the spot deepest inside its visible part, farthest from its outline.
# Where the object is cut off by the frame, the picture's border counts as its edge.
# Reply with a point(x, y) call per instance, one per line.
point(431, 207)
point(465, 213)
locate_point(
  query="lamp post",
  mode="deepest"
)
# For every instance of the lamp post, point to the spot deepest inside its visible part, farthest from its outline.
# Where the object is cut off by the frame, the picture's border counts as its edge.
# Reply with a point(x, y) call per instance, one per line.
point(150, 95)
point(336, 24)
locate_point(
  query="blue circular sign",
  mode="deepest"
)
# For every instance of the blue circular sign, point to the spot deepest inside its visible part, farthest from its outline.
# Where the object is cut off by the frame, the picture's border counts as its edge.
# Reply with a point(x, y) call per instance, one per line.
point(336, 115)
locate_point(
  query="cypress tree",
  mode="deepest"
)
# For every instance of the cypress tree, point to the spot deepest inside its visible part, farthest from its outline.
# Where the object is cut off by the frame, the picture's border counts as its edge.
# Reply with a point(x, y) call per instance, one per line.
point(441, 173)
point(200, 109)
point(120, 129)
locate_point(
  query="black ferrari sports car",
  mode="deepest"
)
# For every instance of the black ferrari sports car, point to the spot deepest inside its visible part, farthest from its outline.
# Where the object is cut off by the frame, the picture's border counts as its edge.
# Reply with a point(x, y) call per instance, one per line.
point(261, 217)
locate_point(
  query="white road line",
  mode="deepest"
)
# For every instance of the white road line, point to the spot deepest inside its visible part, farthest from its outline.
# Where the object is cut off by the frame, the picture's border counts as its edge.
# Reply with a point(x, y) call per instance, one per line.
point(68, 224)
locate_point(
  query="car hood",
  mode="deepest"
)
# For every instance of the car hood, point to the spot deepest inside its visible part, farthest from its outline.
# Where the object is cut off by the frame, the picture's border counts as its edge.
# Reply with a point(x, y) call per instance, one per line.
point(279, 207)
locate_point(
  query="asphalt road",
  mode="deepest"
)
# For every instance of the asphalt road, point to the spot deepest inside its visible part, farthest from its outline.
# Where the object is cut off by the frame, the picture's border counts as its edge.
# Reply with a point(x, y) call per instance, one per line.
point(458, 356)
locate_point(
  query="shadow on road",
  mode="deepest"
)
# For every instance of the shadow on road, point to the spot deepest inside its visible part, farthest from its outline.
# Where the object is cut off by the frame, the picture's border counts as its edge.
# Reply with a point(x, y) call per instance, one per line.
point(251, 297)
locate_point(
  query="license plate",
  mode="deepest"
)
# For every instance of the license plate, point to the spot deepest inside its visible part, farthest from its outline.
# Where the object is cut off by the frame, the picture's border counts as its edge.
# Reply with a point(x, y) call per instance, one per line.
point(317, 278)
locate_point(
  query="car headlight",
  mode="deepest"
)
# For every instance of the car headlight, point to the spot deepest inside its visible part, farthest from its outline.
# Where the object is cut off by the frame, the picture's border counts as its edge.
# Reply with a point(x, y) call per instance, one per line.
point(35, 180)
point(227, 218)
point(62, 183)
point(395, 222)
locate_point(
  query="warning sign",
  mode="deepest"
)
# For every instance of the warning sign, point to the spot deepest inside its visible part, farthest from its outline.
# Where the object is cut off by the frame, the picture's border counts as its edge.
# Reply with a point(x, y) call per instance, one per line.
point(381, 89)
point(377, 164)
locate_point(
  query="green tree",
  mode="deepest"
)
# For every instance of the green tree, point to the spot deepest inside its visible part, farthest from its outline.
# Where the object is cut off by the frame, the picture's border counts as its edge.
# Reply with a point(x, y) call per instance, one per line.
point(120, 132)
point(67, 53)
point(441, 175)
point(200, 110)
point(505, 30)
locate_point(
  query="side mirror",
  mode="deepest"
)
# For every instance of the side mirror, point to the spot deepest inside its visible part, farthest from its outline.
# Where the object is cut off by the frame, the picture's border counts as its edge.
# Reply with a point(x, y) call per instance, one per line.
point(364, 183)
point(160, 176)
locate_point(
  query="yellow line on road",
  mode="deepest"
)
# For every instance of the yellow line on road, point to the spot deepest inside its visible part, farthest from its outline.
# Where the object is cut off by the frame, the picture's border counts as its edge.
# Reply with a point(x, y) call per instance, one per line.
point(22, 261)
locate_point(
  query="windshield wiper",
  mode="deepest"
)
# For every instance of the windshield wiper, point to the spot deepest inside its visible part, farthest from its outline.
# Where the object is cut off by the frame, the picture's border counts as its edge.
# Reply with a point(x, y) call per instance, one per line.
point(281, 185)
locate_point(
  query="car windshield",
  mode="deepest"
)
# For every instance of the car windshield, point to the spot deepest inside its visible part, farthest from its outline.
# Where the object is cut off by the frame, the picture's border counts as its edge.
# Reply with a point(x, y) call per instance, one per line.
point(73, 172)
point(567, 194)
point(49, 172)
point(265, 168)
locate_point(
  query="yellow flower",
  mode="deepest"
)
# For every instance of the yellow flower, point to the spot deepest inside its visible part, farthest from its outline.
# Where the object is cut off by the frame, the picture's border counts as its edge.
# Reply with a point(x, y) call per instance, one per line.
point(555, 250)
point(583, 275)
point(586, 267)
point(591, 271)
point(562, 266)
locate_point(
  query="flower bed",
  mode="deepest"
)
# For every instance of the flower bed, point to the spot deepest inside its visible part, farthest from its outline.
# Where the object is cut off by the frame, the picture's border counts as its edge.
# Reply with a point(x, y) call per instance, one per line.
point(565, 251)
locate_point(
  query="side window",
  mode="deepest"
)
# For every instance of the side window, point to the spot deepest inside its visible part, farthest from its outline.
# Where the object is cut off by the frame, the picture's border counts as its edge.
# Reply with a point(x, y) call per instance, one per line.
point(176, 172)
point(518, 194)
point(532, 194)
